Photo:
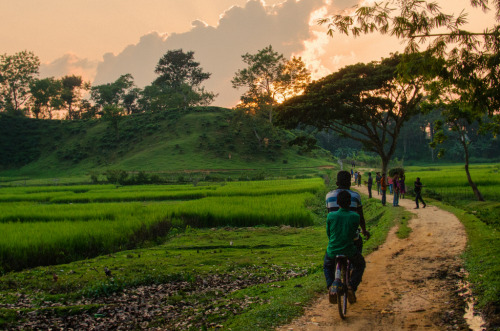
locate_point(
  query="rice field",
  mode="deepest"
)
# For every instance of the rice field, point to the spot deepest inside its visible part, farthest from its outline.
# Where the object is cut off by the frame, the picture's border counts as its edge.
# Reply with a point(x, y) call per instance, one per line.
point(59, 224)
point(450, 182)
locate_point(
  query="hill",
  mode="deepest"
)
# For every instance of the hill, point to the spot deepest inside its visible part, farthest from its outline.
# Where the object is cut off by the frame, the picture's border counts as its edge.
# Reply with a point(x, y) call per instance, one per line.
point(199, 139)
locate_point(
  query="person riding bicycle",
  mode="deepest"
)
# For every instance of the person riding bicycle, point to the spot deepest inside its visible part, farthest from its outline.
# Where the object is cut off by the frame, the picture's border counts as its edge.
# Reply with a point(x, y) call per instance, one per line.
point(341, 229)
point(344, 184)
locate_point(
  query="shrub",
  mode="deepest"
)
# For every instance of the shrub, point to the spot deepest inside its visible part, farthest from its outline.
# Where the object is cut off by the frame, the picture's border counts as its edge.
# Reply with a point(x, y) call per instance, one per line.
point(116, 176)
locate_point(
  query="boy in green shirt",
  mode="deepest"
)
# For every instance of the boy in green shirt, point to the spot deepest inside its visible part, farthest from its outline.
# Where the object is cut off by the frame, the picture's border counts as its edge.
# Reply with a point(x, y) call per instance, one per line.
point(341, 228)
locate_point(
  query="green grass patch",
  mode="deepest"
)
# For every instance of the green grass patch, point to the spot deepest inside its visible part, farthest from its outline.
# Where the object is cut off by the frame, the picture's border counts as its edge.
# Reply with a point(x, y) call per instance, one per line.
point(403, 230)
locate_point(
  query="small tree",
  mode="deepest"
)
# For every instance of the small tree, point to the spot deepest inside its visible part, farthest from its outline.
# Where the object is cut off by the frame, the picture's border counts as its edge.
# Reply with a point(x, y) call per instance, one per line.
point(45, 94)
point(180, 77)
point(72, 87)
point(16, 73)
point(269, 79)
point(113, 114)
point(113, 93)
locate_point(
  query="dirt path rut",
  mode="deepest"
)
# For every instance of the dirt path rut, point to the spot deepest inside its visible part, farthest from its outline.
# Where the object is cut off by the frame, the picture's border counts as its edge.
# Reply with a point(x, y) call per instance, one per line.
point(407, 282)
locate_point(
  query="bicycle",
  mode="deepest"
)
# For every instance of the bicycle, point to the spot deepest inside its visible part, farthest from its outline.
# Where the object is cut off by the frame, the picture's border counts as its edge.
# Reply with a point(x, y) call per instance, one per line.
point(340, 285)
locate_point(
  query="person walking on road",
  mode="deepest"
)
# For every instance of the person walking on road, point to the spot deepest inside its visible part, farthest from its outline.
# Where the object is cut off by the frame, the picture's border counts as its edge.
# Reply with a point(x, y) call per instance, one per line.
point(383, 188)
point(395, 181)
point(370, 183)
point(359, 178)
point(377, 179)
point(402, 186)
point(418, 192)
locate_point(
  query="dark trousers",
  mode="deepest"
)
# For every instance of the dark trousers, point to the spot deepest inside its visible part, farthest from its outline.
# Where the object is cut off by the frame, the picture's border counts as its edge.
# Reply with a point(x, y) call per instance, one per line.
point(383, 196)
point(418, 196)
point(369, 191)
point(358, 266)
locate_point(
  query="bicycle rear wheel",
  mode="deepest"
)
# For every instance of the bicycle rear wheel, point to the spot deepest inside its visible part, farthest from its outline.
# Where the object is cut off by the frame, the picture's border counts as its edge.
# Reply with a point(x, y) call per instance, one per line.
point(342, 294)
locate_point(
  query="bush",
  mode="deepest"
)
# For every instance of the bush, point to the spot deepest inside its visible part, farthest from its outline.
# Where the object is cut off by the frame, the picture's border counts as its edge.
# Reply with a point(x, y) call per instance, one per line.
point(94, 177)
point(116, 176)
point(141, 178)
point(394, 171)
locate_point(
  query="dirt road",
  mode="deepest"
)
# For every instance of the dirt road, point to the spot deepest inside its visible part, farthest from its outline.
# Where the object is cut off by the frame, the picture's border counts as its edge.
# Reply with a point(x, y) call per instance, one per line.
point(408, 283)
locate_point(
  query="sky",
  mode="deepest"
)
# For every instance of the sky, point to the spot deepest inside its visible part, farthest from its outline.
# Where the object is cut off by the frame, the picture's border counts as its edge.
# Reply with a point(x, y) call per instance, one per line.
point(103, 39)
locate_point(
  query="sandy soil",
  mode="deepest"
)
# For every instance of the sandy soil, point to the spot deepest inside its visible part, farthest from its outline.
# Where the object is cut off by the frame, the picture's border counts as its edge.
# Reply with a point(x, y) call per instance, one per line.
point(407, 283)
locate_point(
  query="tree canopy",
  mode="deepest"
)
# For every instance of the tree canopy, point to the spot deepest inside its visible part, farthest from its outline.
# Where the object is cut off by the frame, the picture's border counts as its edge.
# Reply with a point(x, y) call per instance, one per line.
point(179, 81)
point(365, 102)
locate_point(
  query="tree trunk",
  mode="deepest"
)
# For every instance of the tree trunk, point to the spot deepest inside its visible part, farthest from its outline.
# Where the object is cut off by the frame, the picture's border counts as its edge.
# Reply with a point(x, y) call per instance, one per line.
point(385, 164)
point(473, 185)
point(257, 136)
point(431, 131)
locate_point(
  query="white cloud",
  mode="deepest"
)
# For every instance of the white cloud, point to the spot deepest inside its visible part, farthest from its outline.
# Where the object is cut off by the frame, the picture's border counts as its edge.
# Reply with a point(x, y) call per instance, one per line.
point(69, 64)
point(219, 49)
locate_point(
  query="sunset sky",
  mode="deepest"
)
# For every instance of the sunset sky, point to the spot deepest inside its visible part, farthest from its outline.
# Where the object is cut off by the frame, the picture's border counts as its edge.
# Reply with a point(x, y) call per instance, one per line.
point(103, 39)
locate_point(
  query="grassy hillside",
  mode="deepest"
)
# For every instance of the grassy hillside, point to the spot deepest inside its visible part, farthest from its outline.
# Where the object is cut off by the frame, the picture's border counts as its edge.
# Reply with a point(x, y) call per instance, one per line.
point(196, 139)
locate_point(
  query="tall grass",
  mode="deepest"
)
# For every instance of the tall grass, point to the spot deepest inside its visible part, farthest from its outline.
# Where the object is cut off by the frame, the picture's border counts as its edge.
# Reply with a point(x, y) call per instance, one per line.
point(246, 211)
point(110, 193)
point(38, 231)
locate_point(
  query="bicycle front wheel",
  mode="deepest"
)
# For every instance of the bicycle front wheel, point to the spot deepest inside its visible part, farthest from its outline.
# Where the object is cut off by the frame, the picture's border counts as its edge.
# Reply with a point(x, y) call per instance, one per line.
point(342, 295)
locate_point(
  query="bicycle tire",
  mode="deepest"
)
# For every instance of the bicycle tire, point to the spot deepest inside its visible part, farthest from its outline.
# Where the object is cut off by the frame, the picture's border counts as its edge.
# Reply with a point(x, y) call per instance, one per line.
point(342, 293)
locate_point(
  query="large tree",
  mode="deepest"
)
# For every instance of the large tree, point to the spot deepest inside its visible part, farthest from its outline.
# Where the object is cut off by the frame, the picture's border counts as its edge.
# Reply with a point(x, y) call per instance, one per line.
point(269, 79)
point(180, 77)
point(473, 57)
point(16, 73)
point(368, 103)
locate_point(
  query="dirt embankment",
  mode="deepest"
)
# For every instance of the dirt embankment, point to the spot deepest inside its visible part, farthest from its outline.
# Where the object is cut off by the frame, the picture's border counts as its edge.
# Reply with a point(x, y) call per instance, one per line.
point(408, 284)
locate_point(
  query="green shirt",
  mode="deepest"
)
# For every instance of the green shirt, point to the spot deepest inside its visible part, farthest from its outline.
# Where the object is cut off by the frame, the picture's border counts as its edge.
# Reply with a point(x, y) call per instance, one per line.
point(341, 228)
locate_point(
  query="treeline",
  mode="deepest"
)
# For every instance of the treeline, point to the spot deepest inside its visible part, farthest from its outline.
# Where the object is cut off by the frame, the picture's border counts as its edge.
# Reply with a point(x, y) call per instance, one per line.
point(414, 144)
point(178, 85)
point(269, 79)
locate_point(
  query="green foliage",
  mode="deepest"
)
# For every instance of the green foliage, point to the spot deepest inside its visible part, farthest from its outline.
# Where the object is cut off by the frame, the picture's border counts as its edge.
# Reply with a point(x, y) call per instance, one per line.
point(340, 103)
point(116, 176)
point(270, 79)
point(396, 171)
point(17, 71)
point(179, 81)
point(171, 141)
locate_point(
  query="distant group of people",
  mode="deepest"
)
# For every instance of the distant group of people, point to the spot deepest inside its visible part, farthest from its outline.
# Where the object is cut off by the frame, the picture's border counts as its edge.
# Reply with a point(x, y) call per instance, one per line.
point(357, 177)
point(396, 185)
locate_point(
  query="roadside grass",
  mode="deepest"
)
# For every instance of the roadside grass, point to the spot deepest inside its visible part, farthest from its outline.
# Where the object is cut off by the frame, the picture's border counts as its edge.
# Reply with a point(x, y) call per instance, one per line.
point(289, 258)
point(403, 230)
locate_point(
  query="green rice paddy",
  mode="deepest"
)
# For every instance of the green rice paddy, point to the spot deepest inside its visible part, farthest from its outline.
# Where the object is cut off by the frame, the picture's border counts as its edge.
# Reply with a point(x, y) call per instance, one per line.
point(59, 224)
